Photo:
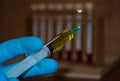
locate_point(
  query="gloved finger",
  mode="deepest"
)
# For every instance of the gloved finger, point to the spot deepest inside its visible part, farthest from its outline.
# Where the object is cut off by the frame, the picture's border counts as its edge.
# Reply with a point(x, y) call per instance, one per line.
point(16, 47)
point(13, 79)
point(4, 78)
point(4, 69)
point(44, 67)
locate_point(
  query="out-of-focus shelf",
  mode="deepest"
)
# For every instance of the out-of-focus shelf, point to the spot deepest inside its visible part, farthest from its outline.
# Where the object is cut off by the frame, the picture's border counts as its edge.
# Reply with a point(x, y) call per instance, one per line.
point(75, 70)
point(79, 70)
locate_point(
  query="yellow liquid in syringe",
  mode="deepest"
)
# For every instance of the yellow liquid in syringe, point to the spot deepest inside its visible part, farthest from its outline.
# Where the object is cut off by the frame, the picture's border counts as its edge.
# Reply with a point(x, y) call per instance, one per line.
point(61, 40)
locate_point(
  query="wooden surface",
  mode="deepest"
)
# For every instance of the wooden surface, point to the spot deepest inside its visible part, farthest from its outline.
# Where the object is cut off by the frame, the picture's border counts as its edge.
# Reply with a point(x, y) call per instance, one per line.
point(113, 75)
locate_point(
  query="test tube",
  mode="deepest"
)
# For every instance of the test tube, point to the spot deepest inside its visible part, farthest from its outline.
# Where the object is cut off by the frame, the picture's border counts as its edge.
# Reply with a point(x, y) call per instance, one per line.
point(89, 29)
point(79, 39)
point(68, 55)
point(42, 27)
point(35, 26)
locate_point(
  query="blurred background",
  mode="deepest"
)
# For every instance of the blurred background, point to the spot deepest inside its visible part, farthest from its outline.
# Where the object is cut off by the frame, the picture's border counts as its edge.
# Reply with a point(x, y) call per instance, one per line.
point(94, 51)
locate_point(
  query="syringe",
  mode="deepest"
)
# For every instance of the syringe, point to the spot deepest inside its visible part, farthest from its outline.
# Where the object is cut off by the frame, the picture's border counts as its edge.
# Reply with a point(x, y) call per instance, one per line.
point(51, 47)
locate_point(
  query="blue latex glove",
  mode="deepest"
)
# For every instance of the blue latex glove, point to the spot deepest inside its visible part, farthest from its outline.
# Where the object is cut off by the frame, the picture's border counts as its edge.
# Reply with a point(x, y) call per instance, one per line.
point(16, 47)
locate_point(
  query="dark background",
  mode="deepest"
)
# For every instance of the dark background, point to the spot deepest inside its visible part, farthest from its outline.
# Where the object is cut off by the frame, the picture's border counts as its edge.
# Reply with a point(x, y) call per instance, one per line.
point(15, 19)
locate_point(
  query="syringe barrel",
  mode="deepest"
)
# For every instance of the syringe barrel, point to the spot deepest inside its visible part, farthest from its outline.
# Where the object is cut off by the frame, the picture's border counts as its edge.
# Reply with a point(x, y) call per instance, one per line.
point(28, 62)
point(60, 40)
point(31, 60)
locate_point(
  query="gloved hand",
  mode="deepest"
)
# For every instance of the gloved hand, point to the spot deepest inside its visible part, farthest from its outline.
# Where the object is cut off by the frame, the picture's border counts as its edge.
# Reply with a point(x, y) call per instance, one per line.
point(25, 45)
